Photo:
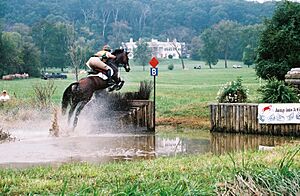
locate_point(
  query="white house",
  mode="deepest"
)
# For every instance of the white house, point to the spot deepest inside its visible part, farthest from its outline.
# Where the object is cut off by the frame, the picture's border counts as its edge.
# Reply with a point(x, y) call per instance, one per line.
point(159, 49)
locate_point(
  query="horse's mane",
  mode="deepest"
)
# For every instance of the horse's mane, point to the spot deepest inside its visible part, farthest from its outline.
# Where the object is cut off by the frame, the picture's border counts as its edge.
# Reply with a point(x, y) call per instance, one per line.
point(118, 51)
point(111, 61)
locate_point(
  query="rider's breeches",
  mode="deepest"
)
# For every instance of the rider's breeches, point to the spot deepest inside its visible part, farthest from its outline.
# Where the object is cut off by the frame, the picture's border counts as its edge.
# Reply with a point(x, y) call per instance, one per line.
point(96, 64)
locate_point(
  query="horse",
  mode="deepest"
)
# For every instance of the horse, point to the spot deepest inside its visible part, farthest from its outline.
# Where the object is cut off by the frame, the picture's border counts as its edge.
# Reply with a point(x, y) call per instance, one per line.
point(78, 94)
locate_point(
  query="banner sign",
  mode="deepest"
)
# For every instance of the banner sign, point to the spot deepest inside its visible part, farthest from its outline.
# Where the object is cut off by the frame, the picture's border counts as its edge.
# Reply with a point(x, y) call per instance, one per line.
point(280, 113)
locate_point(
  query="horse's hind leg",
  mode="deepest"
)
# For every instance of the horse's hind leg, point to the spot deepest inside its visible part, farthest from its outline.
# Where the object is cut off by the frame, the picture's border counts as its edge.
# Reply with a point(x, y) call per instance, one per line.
point(82, 104)
point(71, 111)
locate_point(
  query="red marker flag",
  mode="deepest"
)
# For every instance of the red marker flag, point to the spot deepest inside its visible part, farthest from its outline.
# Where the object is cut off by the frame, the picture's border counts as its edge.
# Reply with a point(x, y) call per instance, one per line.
point(153, 62)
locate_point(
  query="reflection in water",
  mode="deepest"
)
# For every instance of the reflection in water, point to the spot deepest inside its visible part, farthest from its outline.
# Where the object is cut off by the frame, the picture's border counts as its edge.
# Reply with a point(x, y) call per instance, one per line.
point(119, 147)
point(218, 143)
point(180, 146)
point(222, 143)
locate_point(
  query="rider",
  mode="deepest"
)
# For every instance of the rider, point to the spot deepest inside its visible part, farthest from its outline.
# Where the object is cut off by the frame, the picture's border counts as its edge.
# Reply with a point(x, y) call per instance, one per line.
point(98, 61)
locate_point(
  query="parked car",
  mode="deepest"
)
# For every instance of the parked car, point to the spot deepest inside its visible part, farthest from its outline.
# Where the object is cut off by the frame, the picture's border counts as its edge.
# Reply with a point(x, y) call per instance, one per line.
point(197, 67)
point(236, 66)
point(47, 76)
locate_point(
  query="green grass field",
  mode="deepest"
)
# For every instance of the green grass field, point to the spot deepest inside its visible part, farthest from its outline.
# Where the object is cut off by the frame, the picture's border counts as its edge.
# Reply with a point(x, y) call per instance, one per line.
point(179, 93)
point(249, 173)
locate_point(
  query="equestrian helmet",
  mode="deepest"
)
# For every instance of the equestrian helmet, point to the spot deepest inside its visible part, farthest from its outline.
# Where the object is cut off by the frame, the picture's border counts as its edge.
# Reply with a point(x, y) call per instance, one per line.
point(106, 48)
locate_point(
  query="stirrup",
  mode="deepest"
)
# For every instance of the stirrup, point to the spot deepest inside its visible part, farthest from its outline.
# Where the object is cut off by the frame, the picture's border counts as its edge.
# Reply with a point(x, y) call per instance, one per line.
point(112, 88)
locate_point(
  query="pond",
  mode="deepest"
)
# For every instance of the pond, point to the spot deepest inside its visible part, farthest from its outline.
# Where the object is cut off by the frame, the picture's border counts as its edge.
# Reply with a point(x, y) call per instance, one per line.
point(108, 147)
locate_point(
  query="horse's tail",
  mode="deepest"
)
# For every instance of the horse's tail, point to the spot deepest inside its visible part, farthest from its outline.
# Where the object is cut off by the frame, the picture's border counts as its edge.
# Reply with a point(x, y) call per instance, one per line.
point(67, 97)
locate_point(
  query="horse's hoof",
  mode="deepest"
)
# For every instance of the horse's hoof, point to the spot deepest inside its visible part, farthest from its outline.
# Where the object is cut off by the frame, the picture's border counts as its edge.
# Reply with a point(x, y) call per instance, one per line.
point(120, 85)
point(112, 88)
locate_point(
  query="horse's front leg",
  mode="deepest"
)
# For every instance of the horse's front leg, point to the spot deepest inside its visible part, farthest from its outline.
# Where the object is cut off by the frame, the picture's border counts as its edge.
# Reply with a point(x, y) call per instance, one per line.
point(119, 83)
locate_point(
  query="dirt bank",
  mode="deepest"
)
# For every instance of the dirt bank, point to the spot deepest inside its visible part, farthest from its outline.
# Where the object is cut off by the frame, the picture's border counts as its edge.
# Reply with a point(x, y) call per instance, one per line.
point(190, 122)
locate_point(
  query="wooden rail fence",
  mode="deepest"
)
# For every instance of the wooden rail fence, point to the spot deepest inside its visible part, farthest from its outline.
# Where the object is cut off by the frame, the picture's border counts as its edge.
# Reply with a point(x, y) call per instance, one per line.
point(242, 118)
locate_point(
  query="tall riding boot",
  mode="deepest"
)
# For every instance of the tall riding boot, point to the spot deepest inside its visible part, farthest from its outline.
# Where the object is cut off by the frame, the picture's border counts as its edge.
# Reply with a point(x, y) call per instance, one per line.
point(109, 78)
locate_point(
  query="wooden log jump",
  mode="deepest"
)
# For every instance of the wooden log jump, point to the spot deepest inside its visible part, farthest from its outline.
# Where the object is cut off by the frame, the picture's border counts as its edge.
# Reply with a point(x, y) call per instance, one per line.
point(140, 115)
point(242, 118)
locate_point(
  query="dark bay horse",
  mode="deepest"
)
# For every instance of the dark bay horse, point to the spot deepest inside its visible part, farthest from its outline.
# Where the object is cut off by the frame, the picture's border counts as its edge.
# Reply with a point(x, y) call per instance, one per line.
point(78, 94)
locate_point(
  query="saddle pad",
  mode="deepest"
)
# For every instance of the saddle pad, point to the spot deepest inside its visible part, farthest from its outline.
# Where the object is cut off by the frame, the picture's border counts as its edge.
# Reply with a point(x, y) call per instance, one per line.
point(100, 75)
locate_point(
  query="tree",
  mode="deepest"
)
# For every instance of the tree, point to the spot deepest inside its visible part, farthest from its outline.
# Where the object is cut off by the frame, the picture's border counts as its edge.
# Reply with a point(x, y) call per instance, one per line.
point(141, 15)
point(30, 54)
point(31, 59)
point(103, 16)
point(12, 49)
point(3, 4)
point(59, 46)
point(250, 35)
point(195, 48)
point(76, 52)
point(142, 53)
point(120, 33)
point(279, 45)
point(51, 39)
point(246, 47)
point(175, 45)
point(226, 32)
point(248, 55)
point(209, 48)
point(41, 33)
point(1, 53)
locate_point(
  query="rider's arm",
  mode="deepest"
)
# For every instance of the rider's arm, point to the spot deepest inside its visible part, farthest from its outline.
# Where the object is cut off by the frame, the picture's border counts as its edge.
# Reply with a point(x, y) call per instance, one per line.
point(98, 54)
point(110, 55)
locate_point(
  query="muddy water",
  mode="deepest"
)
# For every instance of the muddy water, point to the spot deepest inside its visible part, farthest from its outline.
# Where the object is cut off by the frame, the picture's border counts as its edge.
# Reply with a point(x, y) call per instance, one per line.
point(39, 149)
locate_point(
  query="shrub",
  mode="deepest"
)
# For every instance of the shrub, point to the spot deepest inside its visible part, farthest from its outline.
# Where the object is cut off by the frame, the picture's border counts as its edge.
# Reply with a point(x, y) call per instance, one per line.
point(43, 93)
point(170, 66)
point(233, 92)
point(267, 70)
point(275, 91)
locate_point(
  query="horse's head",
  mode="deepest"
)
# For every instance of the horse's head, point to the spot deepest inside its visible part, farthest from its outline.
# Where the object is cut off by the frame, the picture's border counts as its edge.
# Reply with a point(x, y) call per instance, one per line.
point(122, 58)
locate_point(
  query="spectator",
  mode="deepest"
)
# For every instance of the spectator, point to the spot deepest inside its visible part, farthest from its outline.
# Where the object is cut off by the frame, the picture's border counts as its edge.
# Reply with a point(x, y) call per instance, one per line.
point(4, 96)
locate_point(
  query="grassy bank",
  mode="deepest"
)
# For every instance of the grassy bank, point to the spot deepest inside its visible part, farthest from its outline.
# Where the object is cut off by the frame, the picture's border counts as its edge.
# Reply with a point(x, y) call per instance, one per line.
point(257, 173)
point(182, 96)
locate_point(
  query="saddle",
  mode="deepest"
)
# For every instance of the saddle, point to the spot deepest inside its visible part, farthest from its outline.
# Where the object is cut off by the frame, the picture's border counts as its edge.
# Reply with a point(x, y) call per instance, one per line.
point(115, 86)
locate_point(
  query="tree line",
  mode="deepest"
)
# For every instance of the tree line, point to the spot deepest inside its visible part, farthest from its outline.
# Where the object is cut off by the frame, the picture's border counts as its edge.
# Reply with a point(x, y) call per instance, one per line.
point(51, 33)
point(227, 40)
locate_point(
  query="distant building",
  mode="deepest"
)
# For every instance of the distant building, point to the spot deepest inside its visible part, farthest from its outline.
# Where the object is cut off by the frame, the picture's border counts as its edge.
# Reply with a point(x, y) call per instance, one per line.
point(158, 48)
